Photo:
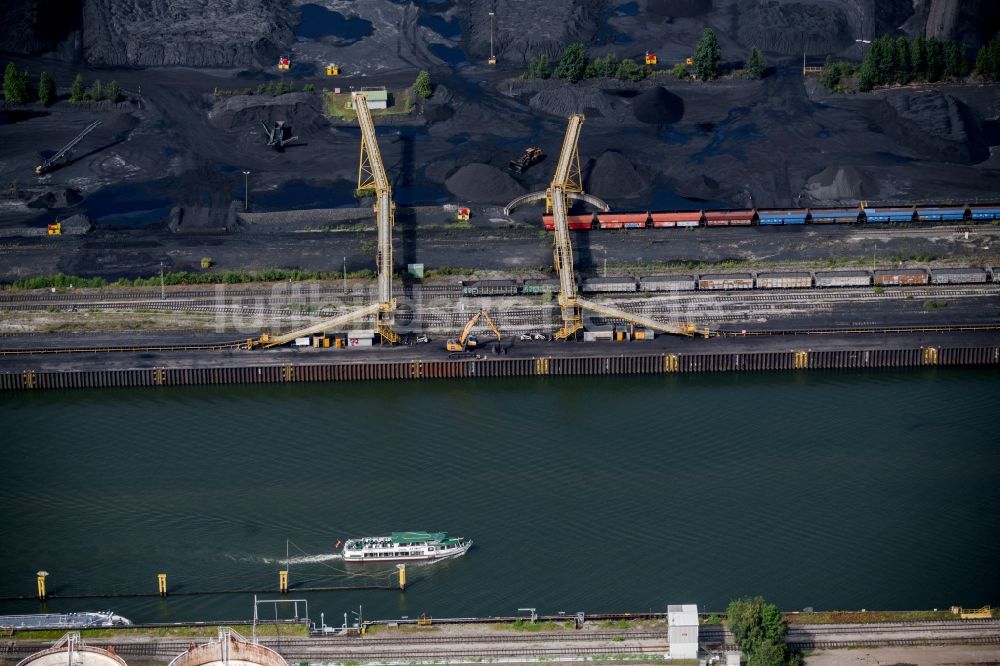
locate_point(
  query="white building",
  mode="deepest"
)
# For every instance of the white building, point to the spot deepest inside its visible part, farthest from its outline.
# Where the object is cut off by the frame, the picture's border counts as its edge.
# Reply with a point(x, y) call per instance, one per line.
point(682, 631)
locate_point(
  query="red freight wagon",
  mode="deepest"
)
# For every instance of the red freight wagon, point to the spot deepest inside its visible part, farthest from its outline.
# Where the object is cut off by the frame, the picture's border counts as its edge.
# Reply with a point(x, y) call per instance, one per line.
point(575, 222)
point(622, 220)
point(725, 218)
point(690, 218)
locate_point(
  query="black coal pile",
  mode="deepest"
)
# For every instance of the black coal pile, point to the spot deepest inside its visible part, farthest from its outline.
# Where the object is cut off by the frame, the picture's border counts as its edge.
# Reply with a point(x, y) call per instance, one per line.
point(700, 187)
point(482, 183)
point(613, 177)
point(842, 183)
point(301, 112)
point(658, 106)
point(791, 27)
point(195, 33)
point(679, 8)
point(62, 197)
point(935, 125)
point(35, 26)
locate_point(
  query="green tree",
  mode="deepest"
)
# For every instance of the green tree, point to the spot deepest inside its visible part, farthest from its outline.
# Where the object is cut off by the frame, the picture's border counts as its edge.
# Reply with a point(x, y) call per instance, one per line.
point(540, 67)
point(952, 64)
point(96, 92)
point(963, 60)
point(754, 623)
point(901, 61)
point(866, 77)
point(422, 86)
point(680, 70)
point(707, 56)
point(573, 63)
point(605, 67)
point(935, 60)
point(918, 59)
point(880, 58)
point(16, 86)
point(113, 92)
point(76, 93)
point(630, 70)
point(756, 63)
point(46, 89)
point(769, 654)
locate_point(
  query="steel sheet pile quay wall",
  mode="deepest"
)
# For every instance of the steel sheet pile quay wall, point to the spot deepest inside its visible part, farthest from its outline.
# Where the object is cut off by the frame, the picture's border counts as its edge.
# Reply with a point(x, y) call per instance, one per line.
point(615, 364)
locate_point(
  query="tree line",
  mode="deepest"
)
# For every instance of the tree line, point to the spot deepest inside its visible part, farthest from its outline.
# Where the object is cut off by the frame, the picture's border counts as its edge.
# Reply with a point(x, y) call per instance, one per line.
point(898, 60)
point(575, 64)
point(19, 89)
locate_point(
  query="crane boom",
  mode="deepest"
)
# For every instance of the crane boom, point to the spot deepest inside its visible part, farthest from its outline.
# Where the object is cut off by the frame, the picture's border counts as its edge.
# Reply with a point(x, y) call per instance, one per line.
point(49, 163)
point(567, 178)
point(562, 252)
point(371, 174)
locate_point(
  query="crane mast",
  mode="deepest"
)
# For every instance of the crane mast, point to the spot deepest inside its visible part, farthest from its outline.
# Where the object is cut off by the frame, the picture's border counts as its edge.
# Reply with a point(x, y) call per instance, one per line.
point(371, 175)
point(568, 178)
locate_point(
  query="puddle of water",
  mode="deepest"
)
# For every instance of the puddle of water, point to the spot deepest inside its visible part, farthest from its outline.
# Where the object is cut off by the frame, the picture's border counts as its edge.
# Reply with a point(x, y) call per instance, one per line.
point(298, 194)
point(318, 21)
point(11, 117)
point(451, 55)
point(126, 206)
point(447, 29)
point(628, 9)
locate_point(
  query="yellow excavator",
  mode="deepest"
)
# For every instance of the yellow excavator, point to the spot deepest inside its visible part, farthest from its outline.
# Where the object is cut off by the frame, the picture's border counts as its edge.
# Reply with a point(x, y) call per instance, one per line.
point(465, 341)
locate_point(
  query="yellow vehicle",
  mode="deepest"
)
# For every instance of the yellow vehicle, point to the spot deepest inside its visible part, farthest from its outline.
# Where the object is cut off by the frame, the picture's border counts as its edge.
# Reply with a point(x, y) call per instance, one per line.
point(284, 63)
point(650, 58)
point(466, 341)
point(332, 69)
point(55, 229)
point(463, 215)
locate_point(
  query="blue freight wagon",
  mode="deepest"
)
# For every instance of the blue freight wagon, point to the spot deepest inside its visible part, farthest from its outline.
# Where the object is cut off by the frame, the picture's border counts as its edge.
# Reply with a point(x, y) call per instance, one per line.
point(953, 213)
point(985, 212)
point(782, 216)
point(889, 214)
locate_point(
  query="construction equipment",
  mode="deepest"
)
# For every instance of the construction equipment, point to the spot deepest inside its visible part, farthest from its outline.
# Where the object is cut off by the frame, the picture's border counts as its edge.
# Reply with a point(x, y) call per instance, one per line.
point(284, 63)
point(371, 175)
point(276, 135)
point(64, 152)
point(530, 157)
point(332, 69)
point(567, 178)
point(55, 229)
point(466, 341)
point(650, 58)
point(463, 215)
point(689, 61)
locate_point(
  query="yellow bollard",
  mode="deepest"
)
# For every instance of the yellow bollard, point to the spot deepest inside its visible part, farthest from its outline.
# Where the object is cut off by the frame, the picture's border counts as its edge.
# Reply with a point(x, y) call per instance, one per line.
point(161, 580)
point(41, 585)
point(402, 576)
point(283, 582)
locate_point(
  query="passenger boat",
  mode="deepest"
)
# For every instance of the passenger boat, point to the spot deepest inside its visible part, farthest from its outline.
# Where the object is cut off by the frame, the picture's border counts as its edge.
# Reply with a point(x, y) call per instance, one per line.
point(405, 547)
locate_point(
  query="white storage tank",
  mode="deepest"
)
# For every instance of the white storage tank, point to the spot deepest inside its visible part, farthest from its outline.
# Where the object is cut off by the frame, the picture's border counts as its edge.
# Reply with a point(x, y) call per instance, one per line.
point(71, 649)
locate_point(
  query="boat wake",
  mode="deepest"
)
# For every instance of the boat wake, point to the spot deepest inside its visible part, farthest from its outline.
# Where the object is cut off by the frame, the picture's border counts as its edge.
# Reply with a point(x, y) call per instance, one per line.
point(306, 559)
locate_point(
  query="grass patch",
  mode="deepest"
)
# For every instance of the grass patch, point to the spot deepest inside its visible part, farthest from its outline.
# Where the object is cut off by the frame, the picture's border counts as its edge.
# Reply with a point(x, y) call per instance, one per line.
point(867, 617)
point(335, 104)
point(531, 627)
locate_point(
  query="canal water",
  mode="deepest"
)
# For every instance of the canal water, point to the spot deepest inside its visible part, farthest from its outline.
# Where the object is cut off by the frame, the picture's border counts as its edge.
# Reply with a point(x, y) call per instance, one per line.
point(830, 489)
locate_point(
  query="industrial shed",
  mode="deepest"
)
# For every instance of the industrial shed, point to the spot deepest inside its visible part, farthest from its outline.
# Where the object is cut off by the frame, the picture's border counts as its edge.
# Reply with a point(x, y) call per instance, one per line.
point(682, 631)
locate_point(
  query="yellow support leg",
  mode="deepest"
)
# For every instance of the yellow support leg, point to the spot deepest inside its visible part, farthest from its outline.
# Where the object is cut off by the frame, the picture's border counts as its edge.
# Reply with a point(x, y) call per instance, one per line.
point(801, 360)
point(41, 585)
point(161, 583)
point(283, 582)
point(930, 356)
point(402, 576)
point(541, 366)
point(671, 363)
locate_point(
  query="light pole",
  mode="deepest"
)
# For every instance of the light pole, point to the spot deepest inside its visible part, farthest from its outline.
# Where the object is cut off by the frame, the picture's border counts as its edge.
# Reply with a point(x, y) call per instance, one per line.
point(493, 58)
point(345, 275)
point(861, 44)
point(246, 190)
point(163, 292)
point(874, 247)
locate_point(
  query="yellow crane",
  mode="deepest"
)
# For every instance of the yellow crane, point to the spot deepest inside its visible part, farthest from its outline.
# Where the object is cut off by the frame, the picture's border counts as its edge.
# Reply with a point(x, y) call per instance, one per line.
point(567, 178)
point(371, 175)
point(466, 340)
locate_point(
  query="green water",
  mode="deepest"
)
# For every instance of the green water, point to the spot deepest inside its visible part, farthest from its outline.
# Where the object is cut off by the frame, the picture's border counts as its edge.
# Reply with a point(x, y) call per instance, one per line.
point(832, 490)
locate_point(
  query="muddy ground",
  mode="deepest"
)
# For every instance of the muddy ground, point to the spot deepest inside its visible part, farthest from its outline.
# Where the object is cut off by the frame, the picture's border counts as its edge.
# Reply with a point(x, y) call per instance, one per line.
point(660, 144)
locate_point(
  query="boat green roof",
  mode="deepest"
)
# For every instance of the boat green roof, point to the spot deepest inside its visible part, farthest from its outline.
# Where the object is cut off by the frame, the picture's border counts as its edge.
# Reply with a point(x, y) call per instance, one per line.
point(417, 537)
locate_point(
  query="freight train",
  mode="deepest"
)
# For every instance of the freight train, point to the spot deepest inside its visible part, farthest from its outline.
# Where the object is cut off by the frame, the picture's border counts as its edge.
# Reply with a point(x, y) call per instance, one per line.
point(772, 217)
point(740, 281)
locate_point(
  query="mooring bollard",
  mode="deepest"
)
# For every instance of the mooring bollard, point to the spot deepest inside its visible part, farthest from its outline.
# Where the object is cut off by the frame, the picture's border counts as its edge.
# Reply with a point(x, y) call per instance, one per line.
point(283, 582)
point(161, 580)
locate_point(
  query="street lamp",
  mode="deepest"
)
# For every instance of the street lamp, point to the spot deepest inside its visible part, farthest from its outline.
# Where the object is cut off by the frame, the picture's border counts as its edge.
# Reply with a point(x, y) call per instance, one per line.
point(493, 58)
point(246, 190)
point(861, 44)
